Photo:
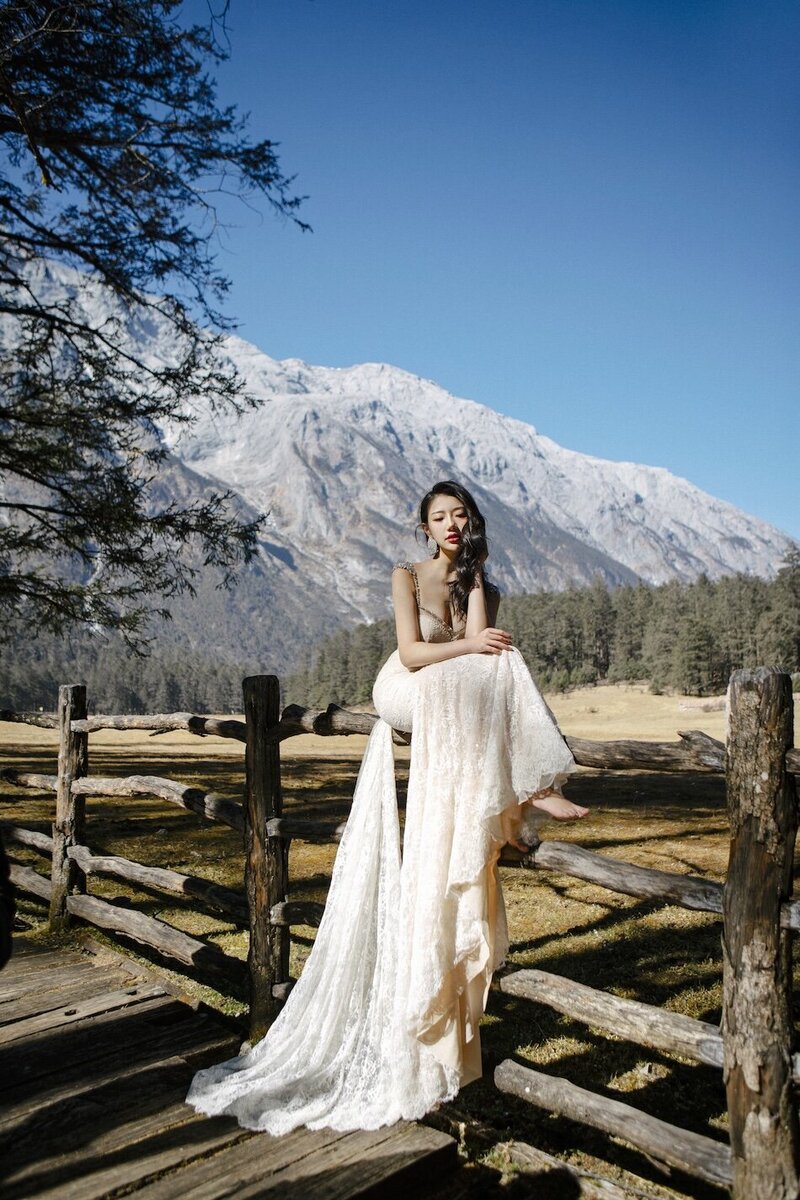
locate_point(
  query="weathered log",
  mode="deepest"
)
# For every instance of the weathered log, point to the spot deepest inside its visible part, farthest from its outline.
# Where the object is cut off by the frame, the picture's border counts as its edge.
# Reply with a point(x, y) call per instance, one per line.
point(689, 891)
point(73, 762)
point(695, 752)
point(644, 1024)
point(757, 966)
point(690, 754)
point(700, 1156)
point(705, 749)
point(30, 779)
point(266, 858)
point(324, 721)
point(298, 827)
point(43, 720)
point(159, 723)
point(27, 837)
point(28, 880)
point(575, 1181)
point(297, 912)
point(203, 959)
point(162, 879)
point(205, 804)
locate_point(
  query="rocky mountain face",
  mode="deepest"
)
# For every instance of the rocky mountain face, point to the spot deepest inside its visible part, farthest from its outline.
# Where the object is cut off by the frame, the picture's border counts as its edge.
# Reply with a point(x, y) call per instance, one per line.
point(340, 458)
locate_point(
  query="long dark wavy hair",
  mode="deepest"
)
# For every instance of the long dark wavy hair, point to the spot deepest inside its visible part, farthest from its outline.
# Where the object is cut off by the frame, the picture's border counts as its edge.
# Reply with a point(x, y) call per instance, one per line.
point(474, 546)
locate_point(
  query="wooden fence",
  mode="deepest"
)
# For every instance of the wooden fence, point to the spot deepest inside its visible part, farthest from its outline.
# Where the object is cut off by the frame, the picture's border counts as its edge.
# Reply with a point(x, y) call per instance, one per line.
point(754, 1047)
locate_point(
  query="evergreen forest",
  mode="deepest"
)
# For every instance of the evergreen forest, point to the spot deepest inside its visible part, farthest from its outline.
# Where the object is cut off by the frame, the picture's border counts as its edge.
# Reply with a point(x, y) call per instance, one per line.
point(683, 637)
point(170, 679)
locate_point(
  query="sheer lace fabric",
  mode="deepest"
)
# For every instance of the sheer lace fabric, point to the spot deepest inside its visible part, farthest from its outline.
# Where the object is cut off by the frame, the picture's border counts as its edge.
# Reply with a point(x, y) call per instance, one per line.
point(383, 1023)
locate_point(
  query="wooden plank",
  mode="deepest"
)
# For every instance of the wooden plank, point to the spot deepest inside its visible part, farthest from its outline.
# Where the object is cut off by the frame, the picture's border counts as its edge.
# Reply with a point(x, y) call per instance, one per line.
point(196, 1043)
point(231, 1169)
point(700, 1156)
point(365, 1164)
point(118, 1071)
point(317, 1164)
point(19, 978)
point(644, 1024)
point(122, 1156)
point(28, 951)
point(756, 955)
point(56, 1019)
point(61, 990)
point(63, 1127)
point(80, 1043)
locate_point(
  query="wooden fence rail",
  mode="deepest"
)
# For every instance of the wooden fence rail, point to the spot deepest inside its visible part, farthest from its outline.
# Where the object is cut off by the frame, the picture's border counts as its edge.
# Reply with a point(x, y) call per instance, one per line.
point(73, 862)
point(753, 1046)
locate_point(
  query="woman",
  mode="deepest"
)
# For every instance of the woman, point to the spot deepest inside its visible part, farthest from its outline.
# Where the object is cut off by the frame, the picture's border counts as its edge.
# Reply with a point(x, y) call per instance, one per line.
point(383, 1023)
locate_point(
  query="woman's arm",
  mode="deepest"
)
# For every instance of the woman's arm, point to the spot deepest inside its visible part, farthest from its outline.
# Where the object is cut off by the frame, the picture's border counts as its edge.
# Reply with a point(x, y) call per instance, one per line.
point(481, 608)
point(414, 652)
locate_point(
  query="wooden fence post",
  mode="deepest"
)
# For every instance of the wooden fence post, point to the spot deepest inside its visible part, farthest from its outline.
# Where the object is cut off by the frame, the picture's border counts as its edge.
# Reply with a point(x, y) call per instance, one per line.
point(265, 857)
point(757, 971)
point(73, 762)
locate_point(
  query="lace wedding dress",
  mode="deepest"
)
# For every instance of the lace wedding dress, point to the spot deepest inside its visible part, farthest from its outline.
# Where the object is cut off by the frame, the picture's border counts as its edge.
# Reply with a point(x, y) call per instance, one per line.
point(383, 1023)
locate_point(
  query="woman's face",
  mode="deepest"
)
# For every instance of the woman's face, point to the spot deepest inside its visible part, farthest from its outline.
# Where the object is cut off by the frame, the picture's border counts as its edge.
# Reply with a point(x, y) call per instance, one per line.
point(447, 517)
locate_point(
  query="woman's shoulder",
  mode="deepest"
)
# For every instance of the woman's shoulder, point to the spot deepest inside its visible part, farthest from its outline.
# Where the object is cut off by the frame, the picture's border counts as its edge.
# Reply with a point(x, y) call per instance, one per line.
point(405, 565)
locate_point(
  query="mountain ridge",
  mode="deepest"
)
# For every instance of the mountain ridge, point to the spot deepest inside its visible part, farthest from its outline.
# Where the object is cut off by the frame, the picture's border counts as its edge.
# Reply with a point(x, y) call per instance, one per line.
point(339, 458)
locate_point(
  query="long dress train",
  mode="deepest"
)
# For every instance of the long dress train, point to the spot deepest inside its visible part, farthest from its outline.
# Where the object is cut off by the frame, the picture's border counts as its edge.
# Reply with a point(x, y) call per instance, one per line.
point(383, 1022)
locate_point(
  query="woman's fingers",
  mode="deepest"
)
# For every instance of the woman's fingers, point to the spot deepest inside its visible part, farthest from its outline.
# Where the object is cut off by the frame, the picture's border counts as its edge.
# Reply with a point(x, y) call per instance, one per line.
point(493, 641)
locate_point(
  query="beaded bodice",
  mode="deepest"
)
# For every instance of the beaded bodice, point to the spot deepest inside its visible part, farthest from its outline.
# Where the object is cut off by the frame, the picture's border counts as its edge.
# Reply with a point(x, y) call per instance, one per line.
point(431, 626)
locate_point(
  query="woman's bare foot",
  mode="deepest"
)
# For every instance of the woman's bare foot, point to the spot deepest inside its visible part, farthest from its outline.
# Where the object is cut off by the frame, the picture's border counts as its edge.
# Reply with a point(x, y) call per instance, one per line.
point(549, 803)
point(556, 805)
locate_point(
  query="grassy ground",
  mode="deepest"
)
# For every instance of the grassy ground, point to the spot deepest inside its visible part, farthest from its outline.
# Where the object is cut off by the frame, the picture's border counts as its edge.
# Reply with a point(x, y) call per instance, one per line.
point(644, 950)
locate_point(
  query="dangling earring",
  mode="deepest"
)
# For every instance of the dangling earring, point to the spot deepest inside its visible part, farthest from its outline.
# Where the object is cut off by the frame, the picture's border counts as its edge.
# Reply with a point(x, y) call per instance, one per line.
point(433, 549)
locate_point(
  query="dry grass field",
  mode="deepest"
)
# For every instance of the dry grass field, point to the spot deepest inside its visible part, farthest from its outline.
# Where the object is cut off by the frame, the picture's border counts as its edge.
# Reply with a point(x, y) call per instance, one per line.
point(640, 949)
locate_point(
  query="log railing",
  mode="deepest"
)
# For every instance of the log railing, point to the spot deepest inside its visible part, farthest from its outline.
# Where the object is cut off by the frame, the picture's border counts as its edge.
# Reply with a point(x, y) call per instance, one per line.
point(754, 1046)
point(73, 863)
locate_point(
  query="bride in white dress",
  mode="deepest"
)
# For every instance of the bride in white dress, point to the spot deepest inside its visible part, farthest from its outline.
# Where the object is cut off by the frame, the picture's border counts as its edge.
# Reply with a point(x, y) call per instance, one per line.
point(383, 1023)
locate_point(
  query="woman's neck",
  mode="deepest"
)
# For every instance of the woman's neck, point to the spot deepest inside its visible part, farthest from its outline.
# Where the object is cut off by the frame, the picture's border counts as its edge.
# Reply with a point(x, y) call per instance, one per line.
point(445, 564)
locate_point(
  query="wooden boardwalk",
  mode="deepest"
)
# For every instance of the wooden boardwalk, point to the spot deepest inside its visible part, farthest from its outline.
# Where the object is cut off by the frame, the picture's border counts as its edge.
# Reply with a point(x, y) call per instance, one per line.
point(95, 1061)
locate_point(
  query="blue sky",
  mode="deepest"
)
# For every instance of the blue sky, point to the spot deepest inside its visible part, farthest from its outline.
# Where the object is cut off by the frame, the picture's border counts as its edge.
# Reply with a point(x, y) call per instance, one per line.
point(583, 213)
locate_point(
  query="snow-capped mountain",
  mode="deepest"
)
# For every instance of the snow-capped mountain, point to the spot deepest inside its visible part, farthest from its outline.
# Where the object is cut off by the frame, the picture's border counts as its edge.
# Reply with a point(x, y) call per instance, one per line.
point(340, 458)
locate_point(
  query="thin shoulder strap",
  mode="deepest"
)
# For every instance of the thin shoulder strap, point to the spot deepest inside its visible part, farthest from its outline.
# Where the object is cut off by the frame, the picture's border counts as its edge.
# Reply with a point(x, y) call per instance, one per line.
point(409, 566)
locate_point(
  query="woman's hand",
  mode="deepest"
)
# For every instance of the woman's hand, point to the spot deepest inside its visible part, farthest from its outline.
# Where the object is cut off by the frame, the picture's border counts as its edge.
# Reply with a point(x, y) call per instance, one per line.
point(491, 641)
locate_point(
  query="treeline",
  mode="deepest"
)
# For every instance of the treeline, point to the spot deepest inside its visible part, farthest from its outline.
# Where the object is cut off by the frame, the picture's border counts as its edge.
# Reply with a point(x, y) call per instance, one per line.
point(172, 679)
point(677, 637)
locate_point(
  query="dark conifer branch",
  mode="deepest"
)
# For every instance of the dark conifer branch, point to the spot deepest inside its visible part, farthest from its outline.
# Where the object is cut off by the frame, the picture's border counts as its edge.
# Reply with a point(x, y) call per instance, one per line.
point(114, 142)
